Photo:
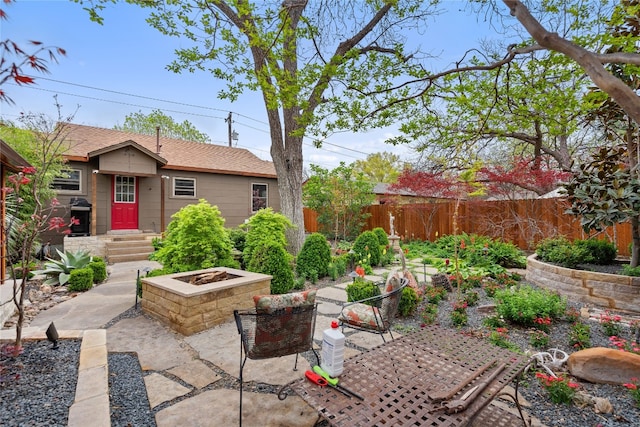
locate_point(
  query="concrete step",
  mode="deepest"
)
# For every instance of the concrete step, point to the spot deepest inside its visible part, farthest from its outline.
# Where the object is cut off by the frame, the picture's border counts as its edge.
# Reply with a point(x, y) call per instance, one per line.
point(127, 250)
point(130, 237)
point(114, 259)
point(129, 247)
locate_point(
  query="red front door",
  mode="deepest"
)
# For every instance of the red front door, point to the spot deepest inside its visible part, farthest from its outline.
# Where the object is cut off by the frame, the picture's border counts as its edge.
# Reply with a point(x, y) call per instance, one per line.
point(124, 203)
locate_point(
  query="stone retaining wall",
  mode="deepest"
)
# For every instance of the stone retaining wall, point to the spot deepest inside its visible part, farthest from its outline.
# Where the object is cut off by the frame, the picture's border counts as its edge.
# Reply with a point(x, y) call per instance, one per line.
point(612, 291)
point(189, 309)
point(95, 245)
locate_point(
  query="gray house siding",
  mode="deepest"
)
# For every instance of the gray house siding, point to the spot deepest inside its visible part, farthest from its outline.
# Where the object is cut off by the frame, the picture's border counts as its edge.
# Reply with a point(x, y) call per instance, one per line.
point(224, 176)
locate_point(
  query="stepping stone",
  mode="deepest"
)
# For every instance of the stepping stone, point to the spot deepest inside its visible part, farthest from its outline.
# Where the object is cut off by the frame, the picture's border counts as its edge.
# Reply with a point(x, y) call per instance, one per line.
point(332, 293)
point(221, 408)
point(140, 335)
point(195, 373)
point(161, 389)
point(329, 308)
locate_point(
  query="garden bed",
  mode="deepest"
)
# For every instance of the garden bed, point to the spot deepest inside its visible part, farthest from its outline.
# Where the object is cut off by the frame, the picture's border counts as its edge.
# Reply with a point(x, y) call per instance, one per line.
point(612, 291)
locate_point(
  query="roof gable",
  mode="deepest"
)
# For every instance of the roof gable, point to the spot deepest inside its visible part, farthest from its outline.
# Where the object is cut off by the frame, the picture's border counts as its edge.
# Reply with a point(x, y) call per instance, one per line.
point(129, 143)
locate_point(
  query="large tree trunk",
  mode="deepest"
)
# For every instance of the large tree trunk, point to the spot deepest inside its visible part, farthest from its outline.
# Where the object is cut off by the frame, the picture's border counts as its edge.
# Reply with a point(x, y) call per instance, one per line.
point(287, 160)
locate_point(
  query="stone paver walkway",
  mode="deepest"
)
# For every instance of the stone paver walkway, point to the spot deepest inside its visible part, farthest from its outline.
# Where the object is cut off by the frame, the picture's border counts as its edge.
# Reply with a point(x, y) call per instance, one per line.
point(190, 380)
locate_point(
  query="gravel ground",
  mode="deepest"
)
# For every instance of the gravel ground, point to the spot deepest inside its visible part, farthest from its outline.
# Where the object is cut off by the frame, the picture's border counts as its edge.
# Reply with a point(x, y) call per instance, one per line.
point(45, 388)
point(127, 392)
point(38, 387)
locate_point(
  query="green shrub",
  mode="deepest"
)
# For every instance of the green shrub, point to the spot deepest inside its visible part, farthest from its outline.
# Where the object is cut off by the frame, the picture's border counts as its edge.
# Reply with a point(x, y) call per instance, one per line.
point(383, 239)
point(195, 239)
point(580, 336)
point(367, 248)
point(58, 271)
point(560, 251)
point(158, 272)
point(314, 256)
point(361, 289)
point(408, 302)
point(238, 237)
point(627, 270)
point(99, 268)
point(273, 259)
point(435, 294)
point(17, 270)
point(265, 227)
point(506, 255)
point(602, 251)
point(80, 280)
point(526, 304)
point(340, 262)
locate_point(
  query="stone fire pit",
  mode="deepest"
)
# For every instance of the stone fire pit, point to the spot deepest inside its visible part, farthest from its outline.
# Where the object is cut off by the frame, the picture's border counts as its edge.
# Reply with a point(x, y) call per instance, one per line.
point(189, 309)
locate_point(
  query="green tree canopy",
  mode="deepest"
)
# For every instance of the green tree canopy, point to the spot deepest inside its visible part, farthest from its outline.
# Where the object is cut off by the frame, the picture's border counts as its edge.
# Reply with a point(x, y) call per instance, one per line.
point(338, 197)
point(380, 168)
point(146, 124)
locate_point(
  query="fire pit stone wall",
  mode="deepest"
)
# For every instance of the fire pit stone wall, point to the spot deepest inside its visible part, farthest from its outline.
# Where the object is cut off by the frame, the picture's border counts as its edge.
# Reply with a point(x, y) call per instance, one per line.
point(189, 309)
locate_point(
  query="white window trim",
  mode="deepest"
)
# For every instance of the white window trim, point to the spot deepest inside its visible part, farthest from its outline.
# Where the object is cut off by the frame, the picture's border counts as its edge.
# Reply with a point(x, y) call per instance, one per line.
point(80, 189)
point(135, 192)
point(266, 198)
point(181, 196)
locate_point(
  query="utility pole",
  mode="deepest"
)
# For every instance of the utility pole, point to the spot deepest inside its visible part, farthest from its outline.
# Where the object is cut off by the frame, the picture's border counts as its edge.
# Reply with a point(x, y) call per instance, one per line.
point(228, 120)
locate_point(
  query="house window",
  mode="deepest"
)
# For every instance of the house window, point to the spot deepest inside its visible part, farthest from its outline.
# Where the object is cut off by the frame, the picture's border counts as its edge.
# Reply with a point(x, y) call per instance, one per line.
point(69, 181)
point(258, 197)
point(184, 187)
point(125, 189)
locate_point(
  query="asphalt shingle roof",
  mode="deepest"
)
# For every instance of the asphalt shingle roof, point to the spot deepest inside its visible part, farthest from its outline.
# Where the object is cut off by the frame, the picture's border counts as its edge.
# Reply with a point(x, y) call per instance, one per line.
point(180, 155)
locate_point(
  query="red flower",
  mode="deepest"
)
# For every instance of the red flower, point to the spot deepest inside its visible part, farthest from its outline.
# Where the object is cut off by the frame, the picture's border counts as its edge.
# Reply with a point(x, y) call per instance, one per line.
point(360, 271)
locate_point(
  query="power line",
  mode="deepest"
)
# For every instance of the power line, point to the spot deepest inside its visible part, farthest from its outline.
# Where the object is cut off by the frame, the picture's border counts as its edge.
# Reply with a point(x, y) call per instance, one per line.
point(176, 103)
point(324, 142)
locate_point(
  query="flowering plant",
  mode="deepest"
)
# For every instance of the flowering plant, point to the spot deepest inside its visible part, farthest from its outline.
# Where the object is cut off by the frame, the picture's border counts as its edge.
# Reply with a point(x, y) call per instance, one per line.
point(634, 390)
point(429, 314)
point(560, 389)
point(491, 286)
point(571, 315)
point(580, 336)
point(539, 338)
point(435, 294)
point(624, 345)
point(610, 324)
point(542, 323)
point(360, 271)
point(459, 315)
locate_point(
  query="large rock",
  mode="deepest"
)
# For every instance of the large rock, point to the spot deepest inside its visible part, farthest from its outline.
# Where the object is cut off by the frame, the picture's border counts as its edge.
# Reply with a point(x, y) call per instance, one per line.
point(604, 365)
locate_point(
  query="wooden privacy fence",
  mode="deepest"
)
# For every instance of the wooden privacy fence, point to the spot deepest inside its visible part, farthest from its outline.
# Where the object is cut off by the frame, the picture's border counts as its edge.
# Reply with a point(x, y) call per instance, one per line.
point(522, 222)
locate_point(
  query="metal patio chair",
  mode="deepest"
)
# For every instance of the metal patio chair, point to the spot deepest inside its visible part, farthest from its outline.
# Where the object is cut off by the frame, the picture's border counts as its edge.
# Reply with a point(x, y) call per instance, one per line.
point(273, 333)
point(374, 314)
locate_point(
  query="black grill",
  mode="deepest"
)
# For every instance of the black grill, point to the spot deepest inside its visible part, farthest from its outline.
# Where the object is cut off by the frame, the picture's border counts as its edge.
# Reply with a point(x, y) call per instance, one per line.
point(80, 209)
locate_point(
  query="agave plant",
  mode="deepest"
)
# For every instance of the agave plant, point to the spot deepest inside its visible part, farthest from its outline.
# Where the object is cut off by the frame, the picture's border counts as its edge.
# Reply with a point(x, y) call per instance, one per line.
point(58, 271)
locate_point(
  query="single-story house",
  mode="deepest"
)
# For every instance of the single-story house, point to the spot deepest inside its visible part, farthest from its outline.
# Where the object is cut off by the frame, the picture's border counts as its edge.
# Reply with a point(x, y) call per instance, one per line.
point(10, 162)
point(118, 181)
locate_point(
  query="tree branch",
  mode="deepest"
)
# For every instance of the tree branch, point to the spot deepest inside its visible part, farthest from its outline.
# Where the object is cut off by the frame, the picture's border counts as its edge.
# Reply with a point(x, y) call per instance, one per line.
point(590, 62)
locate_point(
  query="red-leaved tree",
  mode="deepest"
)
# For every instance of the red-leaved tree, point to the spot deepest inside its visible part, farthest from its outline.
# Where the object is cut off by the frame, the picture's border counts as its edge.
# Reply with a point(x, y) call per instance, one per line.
point(34, 57)
point(28, 226)
point(523, 174)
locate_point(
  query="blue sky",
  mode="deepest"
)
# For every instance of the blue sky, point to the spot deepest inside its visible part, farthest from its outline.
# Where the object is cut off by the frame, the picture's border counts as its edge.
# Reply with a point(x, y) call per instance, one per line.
point(119, 68)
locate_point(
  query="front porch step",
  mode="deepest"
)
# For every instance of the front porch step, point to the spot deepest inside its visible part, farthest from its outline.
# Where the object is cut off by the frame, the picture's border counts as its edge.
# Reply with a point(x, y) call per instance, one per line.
point(114, 259)
point(129, 247)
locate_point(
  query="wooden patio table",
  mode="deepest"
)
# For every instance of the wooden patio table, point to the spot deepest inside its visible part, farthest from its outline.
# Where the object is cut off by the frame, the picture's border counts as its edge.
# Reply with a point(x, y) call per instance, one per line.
point(404, 383)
